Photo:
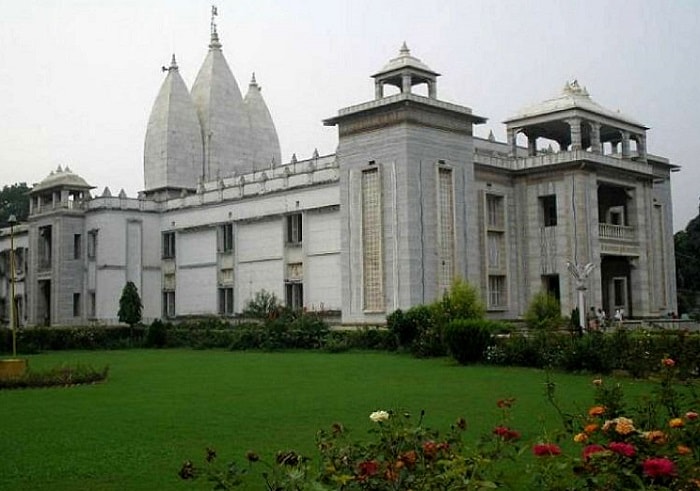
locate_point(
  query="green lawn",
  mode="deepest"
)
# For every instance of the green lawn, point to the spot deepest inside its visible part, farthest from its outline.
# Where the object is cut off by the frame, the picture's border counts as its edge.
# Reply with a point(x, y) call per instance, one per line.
point(159, 408)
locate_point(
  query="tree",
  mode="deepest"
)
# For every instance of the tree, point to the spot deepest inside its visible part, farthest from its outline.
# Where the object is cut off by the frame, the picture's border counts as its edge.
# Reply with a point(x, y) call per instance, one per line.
point(130, 305)
point(687, 246)
point(14, 200)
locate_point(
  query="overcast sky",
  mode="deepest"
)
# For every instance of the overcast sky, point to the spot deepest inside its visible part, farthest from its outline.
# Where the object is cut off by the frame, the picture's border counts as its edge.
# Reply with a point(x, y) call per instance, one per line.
point(78, 78)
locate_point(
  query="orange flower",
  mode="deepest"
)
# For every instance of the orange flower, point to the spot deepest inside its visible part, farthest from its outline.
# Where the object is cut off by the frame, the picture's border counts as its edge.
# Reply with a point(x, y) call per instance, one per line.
point(676, 423)
point(656, 436)
point(580, 438)
point(591, 428)
point(623, 426)
point(596, 411)
point(683, 450)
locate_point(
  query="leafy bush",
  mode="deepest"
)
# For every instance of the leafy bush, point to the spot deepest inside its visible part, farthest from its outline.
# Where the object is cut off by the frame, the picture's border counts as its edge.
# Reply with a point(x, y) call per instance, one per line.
point(156, 335)
point(264, 305)
point(468, 339)
point(36, 339)
point(461, 301)
point(62, 376)
point(544, 312)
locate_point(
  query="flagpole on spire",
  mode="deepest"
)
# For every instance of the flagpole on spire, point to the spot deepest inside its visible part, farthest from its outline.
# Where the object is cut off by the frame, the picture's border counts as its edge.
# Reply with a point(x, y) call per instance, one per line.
point(214, 13)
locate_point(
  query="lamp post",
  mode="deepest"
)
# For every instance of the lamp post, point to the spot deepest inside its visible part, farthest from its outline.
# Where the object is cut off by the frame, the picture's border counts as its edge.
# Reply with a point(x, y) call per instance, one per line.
point(12, 220)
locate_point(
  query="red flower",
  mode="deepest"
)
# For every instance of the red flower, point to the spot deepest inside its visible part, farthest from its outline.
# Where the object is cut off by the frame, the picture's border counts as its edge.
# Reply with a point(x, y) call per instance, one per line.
point(430, 449)
point(623, 449)
point(505, 403)
point(506, 433)
point(368, 468)
point(691, 415)
point(589, 450)
point(658, 467)
point(546, 449)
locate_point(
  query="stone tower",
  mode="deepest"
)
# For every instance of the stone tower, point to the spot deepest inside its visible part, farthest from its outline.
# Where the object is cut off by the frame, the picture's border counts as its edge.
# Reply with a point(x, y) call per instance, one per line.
point(406, 185)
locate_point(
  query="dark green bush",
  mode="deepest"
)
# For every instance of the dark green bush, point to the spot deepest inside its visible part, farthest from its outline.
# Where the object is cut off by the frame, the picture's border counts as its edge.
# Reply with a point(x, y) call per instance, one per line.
point(468, 339)
point(36, 339)
point(156, 335)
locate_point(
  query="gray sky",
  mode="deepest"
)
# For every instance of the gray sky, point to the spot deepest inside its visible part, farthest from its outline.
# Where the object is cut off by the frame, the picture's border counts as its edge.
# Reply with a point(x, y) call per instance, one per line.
point(78, 78)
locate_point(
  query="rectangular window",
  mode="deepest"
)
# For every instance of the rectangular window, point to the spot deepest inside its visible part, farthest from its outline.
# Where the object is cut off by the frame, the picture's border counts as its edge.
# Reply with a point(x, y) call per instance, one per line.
point(494, 211)
point(497, 292)
point(168, 304)
point(294, 228)
point(76, 305)
point(77, 246)
point(226, 237)
point(92, 244)
point(45, 243)
point(226, 301)
point(549, 210)
point(550, 283)
point(294, 295)
point(168, 245)
point(373, 291)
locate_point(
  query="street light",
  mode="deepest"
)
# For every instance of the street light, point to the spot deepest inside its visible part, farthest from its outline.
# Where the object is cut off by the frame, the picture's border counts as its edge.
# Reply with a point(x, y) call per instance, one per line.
point(12, 220)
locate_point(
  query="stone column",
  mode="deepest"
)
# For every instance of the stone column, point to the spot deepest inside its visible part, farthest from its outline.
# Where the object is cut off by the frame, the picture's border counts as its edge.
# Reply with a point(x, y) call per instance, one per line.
point(406, 84)
point(642, 147)
point(596, 147)
point(432, 90)
point(625, 144)
point(531, 145)
point(378, 89)
point(575, 125)
point(511, 134)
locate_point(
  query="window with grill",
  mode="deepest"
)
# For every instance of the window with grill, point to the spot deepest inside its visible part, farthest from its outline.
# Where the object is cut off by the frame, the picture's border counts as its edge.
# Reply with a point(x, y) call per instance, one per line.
point(226, 301)
point(226, 237)
point(168, 304)
point(497, 291)
point(168, 245)
point(446, 231)
point(372, 242)
point(494, 211)
point(294, 295)
point(294, 235)
point(92, 244)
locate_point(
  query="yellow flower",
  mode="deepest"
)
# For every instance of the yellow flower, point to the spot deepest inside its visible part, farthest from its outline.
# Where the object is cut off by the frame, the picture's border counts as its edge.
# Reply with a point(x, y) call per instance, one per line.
point(596, 411)
point(580, 438)
point(624, 426)
point(676, 423)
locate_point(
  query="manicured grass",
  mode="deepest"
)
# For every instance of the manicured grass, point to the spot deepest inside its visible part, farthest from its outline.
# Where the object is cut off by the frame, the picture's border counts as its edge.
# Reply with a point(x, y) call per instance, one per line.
point(159, 408)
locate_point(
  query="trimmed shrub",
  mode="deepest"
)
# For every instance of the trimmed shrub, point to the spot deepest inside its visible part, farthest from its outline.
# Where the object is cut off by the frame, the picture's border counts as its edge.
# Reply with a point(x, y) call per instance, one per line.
point(543, 313)
point(156, 335)
point(461, 301)
point(62, 376)
point(468, 339)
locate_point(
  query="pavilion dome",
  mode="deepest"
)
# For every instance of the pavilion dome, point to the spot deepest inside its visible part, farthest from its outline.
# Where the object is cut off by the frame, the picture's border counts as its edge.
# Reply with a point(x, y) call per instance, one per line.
point(572, 96)
point(62, 178)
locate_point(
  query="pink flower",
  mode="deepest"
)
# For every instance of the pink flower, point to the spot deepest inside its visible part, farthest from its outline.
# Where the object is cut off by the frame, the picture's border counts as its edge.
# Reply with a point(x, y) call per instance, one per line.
point(658, 467)
point(546, 449)
point(589, 450)
point(623, 449)
point(668, 362)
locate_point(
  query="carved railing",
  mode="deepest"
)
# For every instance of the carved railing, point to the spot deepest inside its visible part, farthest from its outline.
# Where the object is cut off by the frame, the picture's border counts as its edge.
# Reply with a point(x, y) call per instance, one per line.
point(618, 232)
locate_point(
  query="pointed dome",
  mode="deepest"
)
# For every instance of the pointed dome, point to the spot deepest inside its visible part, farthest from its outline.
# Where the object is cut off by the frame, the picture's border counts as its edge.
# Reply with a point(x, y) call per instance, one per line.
point(173, 153)
point(222, 115)
point(264, 143)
